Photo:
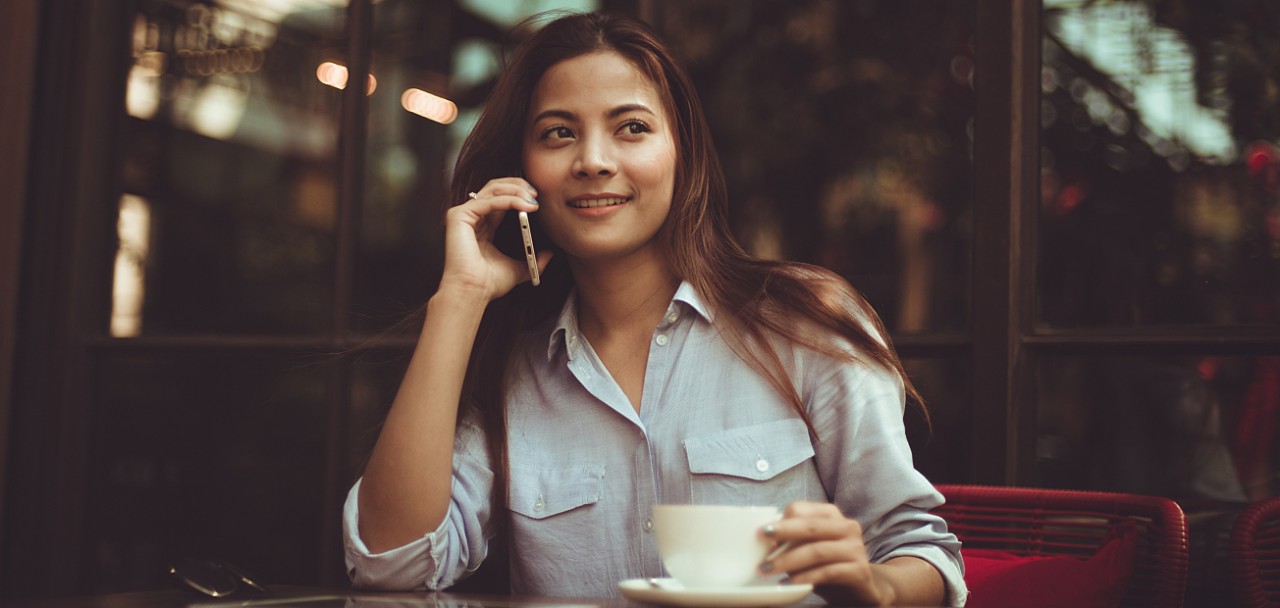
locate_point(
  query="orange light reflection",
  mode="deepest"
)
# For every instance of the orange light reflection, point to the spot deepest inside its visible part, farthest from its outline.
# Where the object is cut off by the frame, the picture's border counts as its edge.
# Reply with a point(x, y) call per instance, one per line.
point(427, 105)
point(335, 75)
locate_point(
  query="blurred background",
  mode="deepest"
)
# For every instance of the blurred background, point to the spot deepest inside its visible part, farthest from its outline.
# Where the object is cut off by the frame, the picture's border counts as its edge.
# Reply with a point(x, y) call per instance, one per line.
point(1067, 213)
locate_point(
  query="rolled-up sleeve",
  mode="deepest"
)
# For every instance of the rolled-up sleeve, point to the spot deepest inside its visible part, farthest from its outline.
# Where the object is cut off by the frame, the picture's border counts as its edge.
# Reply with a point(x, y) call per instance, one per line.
point(866, 465)
point(444, 556)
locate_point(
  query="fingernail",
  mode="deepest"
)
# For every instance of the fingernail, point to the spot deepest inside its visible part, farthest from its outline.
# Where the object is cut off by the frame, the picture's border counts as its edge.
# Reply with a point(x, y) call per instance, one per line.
point(767, 530)
point(766, 567)
point(532, 202)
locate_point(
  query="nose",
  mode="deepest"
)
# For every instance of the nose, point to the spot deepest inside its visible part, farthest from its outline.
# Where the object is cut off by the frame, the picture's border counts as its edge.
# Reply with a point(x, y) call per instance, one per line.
point(594, 159)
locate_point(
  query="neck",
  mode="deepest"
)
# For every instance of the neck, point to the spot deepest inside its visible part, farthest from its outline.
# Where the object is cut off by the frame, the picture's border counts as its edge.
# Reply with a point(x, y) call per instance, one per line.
point(618, 298)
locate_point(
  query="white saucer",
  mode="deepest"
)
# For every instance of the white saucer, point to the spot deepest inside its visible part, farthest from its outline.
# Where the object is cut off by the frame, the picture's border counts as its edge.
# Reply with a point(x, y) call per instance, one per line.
point(672, 593)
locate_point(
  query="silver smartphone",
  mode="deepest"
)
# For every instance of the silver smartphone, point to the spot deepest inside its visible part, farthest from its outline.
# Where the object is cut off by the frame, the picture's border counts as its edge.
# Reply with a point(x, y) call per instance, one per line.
point(529, 255)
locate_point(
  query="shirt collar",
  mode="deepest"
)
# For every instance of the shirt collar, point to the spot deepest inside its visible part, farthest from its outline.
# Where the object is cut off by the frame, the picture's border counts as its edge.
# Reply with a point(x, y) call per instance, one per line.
point(567, 335)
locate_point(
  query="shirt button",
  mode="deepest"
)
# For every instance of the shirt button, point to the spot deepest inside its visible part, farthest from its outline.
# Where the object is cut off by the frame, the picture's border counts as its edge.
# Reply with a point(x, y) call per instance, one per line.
point(663, 339)
point(672, 316)
point(762, 465)
point(539, 504)
point(648, 524)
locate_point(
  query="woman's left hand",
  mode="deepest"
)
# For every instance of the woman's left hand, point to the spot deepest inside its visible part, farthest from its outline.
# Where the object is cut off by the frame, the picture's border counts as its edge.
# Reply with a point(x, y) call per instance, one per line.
point(826, 549)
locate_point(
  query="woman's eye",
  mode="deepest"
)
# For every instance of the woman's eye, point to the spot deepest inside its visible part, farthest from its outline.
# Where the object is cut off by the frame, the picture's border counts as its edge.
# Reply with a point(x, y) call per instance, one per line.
point(636, 127)
point(557, 133)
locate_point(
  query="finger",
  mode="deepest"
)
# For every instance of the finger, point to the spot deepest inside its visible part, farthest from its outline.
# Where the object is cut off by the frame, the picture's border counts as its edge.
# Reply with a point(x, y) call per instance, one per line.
point(811, 528)
point(510, 186)
point(516, 181)
point(481, 206)
point(807, 508)
point(816, 555)
point(778, 549)
point(807, 555)
point(843, 573)
point(484, 214)
point(513, 192)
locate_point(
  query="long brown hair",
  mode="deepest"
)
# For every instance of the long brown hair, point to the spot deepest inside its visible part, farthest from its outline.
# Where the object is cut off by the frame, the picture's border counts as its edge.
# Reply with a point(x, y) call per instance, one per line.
point(753, 299)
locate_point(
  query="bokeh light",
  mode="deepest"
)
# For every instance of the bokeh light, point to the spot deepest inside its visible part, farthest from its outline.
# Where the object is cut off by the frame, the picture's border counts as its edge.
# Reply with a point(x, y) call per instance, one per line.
point(429, 106)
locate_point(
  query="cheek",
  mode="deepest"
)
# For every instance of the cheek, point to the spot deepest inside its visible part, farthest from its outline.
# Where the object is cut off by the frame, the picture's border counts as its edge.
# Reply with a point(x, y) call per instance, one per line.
point(653, 168)
point(538, 170)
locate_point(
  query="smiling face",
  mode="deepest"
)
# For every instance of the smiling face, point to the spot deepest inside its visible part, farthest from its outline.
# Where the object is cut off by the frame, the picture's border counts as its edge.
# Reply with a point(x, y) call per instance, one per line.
point(599, 149)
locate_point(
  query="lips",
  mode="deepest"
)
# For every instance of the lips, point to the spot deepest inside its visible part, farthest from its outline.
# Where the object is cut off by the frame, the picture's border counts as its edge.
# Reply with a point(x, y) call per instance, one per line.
point(592, 203)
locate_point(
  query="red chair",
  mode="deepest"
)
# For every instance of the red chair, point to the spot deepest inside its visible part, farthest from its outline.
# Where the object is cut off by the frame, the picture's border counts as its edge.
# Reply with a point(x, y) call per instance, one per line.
point(1254, 554)
point(1042, 522)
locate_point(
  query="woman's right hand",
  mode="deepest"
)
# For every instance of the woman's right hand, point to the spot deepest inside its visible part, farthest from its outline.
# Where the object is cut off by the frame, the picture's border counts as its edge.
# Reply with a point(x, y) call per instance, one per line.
point(472, 262)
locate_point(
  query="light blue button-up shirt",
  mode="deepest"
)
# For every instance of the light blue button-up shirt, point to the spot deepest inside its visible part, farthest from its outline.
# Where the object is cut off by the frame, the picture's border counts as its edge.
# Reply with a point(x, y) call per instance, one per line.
point(586, 467)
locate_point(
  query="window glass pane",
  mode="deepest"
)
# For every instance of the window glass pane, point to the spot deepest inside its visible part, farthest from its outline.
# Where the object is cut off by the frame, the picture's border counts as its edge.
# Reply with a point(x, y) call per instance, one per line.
point(207, 457)
point(1202, 430)
point(842, 128)
point(375, 378)
point(1160, 172)
point(230, 149)
point(945, 386)
point(400, 237)
point(859, 162)
point(434, 63)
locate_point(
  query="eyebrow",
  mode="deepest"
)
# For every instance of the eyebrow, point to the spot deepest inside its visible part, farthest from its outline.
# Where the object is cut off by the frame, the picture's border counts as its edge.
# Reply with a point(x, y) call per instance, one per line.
point(614, 113)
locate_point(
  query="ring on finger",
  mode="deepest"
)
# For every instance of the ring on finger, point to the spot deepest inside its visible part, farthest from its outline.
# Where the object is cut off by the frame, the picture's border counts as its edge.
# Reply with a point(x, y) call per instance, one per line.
point(472, 195)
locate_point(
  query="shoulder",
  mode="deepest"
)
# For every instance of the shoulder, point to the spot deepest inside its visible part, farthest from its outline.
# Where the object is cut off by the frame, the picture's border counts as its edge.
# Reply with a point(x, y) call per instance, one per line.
point(828, 329)
point(820, 308)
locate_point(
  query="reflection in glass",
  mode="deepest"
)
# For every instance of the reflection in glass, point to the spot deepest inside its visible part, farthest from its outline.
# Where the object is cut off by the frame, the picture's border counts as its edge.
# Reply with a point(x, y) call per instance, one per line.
point(842, 127)
point(436, 63)
point(1202, 430)
point(233, 141)
point(858, 162)
point(505, 14)
point(128, 285)
point(431, 107)
point(142, 97)
point(335, 75)
point(1159, 195)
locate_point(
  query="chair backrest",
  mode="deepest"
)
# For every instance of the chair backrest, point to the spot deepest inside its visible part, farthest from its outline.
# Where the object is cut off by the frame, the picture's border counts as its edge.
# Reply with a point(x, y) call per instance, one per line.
point(1035, 521)
point(1254, 554)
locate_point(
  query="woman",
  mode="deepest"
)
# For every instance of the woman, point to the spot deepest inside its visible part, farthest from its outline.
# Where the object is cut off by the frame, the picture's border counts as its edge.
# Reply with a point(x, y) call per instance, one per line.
point(657, 362)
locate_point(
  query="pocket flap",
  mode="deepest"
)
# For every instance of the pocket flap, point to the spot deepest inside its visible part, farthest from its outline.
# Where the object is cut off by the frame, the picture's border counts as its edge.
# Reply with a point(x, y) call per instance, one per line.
point(540, 492)
point(758, 452)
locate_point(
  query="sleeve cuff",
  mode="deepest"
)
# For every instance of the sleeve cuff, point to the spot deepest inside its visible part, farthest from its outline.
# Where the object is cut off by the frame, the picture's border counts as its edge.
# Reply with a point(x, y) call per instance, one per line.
point(412, 566)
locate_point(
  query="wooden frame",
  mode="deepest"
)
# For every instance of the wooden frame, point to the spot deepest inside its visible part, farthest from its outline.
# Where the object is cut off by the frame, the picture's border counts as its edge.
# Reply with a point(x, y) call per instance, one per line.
point(1006, 174)
point(18, 20)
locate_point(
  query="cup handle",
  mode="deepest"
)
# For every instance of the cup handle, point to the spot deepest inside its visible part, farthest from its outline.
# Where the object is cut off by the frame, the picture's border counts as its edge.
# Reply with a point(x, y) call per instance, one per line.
point(777, 550)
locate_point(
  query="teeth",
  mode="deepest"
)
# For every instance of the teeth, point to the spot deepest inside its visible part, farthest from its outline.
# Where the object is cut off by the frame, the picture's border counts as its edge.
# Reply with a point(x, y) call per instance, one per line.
point(597, 202)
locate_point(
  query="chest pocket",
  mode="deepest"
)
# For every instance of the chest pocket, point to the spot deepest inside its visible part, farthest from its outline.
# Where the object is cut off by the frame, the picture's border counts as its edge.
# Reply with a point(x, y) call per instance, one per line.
point(764, 464)
point(542, 492)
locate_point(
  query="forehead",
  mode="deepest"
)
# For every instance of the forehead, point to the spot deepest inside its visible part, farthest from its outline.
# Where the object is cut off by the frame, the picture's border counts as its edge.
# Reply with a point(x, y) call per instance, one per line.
point(601, 80)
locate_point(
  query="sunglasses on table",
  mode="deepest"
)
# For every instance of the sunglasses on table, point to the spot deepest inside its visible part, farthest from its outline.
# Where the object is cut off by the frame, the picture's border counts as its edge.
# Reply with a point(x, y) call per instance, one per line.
point(213, 578)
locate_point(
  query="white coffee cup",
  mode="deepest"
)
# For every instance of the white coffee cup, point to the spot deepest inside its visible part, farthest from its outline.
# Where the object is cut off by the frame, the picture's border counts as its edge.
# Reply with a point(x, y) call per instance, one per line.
point(712, 545)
